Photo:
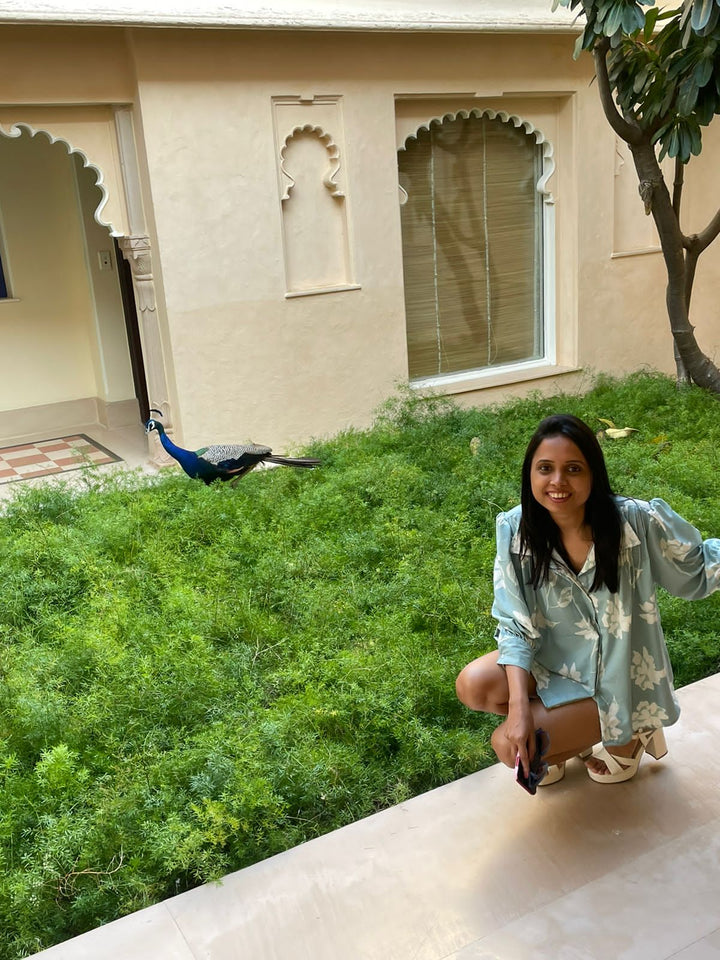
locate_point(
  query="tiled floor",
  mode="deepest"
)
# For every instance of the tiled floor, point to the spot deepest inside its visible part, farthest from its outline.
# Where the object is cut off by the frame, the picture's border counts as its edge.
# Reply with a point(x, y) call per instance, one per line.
point(43, 458)
point(477, 870)
point(128, 447)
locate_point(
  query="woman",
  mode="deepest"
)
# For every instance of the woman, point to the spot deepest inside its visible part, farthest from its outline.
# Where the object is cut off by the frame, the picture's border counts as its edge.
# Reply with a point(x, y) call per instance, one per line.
point(581, 652)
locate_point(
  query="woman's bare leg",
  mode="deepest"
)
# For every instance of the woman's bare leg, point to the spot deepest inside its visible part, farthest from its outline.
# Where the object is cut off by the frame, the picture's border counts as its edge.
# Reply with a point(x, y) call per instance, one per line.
point(572, 728)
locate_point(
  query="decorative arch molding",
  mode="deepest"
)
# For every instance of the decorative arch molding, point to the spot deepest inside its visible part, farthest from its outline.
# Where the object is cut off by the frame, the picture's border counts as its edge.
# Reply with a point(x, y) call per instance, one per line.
point(548, 151)
point(88, 131)
point(329, 180)
point(16, 130)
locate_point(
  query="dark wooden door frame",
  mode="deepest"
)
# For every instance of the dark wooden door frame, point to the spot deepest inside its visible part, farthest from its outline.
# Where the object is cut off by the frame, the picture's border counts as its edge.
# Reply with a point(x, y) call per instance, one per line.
point(133, 332)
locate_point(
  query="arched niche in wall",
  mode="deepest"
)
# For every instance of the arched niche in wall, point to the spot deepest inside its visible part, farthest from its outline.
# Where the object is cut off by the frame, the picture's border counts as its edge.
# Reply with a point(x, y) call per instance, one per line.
point(314, 214)
point(314, 194)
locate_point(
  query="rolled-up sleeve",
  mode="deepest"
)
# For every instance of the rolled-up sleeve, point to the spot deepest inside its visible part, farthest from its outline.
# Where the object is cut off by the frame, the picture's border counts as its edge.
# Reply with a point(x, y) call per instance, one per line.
point(515, 636)
point(682, 562)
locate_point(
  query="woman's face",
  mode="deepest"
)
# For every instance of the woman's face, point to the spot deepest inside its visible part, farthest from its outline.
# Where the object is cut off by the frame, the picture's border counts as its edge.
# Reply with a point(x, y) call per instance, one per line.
point(561, 480)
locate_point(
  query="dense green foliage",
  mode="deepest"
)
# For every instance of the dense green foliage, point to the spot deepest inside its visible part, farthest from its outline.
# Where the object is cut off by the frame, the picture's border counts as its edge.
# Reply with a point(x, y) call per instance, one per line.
point(664, 65)
point(193, 678)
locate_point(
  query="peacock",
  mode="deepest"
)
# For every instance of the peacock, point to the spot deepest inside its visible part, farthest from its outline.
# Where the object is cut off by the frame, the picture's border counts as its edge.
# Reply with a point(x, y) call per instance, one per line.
point(223, 461)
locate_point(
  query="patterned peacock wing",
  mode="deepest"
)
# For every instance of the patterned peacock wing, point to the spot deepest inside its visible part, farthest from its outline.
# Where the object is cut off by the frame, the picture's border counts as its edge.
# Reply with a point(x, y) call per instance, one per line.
point(228, 455)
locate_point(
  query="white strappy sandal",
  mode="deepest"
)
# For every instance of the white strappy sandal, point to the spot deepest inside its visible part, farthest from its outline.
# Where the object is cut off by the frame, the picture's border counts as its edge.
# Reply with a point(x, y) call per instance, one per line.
point(625, 768)
point(556, 771)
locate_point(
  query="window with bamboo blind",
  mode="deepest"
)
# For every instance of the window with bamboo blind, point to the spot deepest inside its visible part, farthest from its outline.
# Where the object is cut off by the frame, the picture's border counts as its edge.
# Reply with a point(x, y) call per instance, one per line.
point(472, 233)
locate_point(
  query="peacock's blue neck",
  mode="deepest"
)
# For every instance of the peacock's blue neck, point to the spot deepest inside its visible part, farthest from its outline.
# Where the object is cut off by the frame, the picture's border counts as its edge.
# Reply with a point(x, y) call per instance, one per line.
point(189, 461)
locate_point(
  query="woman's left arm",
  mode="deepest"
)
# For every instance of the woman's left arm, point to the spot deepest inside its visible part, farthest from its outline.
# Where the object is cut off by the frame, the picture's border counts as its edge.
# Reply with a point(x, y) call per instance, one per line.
point(682, 562)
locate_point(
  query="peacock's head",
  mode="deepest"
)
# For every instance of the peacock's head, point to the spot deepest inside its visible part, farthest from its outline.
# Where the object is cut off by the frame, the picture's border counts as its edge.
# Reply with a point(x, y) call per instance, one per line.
point(153, 424)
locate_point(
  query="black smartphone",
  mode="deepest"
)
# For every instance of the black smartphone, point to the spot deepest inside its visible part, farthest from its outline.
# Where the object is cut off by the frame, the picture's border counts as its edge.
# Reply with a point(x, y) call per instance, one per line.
point(538, 767)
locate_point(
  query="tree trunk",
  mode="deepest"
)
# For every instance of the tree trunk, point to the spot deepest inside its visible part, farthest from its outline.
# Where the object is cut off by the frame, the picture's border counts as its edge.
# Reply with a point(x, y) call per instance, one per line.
point(680, 268)
point(699, 367)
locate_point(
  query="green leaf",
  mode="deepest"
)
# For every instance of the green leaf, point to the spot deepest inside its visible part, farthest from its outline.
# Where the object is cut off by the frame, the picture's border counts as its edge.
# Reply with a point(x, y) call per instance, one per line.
point(687, 96)
point(701, 13)
point(684, 144)
point(703, 71)
point(670, 89)
point(641, 78)
point(633, 19)
point(613, 21)
point(695, 139)
point(707, 106)
point(650, 21)
point(672, 142)
point(660, 134)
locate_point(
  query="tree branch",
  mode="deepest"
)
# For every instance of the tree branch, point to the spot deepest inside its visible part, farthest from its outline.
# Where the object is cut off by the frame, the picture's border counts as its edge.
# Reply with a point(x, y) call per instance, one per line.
point(711, 231)
point(678, 186)
point(628, 132)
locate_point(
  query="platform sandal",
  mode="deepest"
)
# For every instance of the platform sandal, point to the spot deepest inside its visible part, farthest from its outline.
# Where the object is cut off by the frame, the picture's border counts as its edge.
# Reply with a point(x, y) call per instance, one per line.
point(625, 768)
point(556, 771)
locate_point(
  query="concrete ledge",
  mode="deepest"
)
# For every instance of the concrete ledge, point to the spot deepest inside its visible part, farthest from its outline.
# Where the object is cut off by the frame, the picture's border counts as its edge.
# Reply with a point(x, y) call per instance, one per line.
point(476, 870)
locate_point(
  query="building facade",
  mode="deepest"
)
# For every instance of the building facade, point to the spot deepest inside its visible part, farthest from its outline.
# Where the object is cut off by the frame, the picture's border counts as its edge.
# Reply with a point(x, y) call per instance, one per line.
point(264, 223)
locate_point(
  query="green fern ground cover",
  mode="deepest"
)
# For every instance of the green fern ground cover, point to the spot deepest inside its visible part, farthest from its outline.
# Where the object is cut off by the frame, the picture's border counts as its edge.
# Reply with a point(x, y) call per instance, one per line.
point(194, 678)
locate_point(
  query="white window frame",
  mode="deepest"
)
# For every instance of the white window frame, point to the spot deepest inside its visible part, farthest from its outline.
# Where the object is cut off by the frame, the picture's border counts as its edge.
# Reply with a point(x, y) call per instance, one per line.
point(547, 364)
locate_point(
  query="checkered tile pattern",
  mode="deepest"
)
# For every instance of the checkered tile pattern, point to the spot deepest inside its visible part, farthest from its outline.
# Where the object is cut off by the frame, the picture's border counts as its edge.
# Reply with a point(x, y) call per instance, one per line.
point(46, 457)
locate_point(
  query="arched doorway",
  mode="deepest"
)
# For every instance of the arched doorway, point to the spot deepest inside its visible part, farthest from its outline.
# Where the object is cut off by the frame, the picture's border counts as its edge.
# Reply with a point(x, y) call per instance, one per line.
point(72, 345)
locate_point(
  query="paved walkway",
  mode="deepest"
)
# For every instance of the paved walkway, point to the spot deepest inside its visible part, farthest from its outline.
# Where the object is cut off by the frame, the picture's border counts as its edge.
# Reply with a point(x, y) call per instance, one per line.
point(477, 870)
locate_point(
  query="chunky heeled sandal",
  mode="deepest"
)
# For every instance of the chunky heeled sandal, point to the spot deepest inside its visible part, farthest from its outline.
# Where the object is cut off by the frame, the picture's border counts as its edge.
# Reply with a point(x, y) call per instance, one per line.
point(556, 771)
point(625, 768)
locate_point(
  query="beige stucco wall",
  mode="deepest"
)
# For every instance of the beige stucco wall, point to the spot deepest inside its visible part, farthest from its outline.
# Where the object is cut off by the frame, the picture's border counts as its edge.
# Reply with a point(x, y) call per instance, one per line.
point(249, 362)
point(289, 369)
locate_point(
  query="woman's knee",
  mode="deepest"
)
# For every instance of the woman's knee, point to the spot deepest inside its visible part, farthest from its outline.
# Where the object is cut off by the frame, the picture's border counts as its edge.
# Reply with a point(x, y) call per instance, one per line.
point(482, 685)
point(504, 750)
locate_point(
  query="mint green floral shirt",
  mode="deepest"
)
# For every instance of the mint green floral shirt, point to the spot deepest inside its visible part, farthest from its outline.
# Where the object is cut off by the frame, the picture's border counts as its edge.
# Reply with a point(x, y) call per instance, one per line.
point(607, 646)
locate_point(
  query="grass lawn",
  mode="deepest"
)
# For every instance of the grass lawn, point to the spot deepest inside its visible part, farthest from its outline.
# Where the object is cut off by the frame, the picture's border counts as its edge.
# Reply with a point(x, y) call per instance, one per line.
point(194, 678)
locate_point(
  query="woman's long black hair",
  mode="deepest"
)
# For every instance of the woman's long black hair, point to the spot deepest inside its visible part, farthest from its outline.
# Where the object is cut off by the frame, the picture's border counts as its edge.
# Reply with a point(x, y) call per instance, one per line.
point(539, 535)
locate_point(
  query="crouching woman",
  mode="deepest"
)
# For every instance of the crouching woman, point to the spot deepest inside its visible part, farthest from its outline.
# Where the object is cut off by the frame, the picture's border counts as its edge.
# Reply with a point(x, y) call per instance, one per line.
point(581, 652)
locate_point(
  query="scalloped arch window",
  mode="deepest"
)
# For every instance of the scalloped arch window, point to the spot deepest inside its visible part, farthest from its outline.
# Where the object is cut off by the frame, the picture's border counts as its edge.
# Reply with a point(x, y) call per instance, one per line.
point(472, 233)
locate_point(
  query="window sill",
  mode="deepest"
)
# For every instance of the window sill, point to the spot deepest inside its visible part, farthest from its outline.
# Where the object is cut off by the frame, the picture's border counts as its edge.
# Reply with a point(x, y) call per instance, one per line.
point(640, 252)
point(482, 380)
point(9, 299)
point(318, 290)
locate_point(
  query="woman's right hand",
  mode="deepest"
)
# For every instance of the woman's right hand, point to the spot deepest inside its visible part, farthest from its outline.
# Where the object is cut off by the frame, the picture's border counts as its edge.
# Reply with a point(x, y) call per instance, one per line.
point(520, 732)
